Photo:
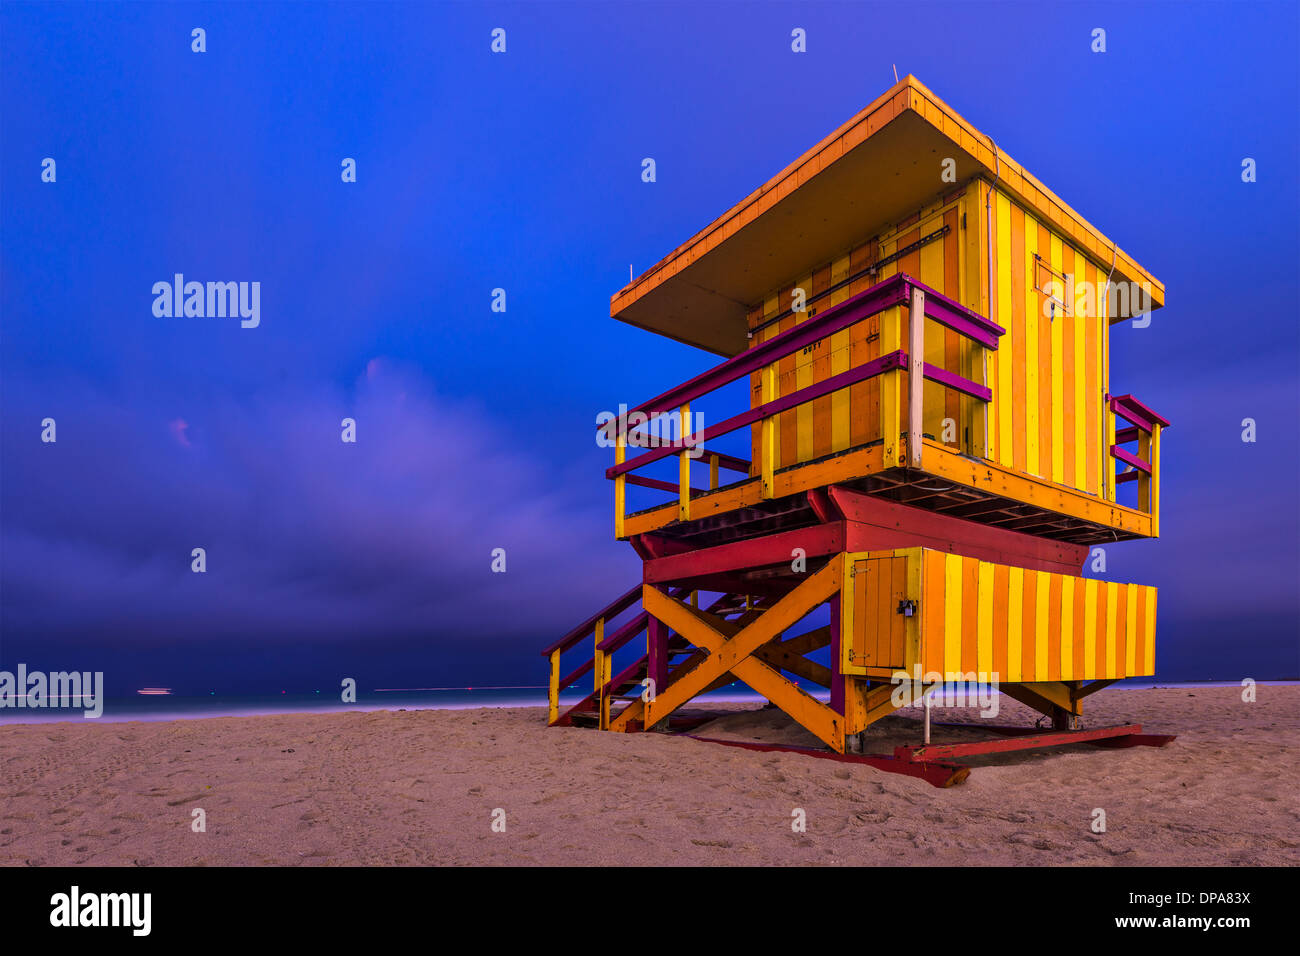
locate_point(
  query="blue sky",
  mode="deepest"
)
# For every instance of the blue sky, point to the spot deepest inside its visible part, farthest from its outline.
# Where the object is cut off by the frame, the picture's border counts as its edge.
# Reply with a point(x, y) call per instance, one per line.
point(522, 171)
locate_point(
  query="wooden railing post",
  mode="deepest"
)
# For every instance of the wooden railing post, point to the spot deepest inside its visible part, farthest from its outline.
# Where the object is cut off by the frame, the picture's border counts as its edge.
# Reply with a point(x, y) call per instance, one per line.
point(600, 670)
point(767, 444)
point(915, 377)
point(620, 484)
point(553, 693)
point(891, 383)
point(713, 473)
point(1153, 502)
point(1109, 416)
point(684, 468)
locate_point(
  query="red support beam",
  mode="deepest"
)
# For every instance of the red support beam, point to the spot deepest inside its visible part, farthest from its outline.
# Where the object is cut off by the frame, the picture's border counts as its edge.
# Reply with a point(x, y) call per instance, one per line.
point(873, 523)
point(837, 679)
point(657, 640)
point(1029, 741)
point(752, 553)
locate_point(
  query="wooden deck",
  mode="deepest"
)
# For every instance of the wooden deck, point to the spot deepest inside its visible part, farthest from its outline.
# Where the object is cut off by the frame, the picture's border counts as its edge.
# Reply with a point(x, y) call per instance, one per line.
point(948, 482)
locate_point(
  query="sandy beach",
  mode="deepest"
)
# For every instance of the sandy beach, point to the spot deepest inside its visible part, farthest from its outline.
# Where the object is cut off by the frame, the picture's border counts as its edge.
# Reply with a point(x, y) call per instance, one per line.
point(421, 787)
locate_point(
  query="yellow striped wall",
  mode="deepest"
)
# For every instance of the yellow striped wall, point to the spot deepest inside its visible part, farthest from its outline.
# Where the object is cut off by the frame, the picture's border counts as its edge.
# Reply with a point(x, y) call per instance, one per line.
point(1048, 415)
point(851, 417)
point(1048, 376)
point(981, 617)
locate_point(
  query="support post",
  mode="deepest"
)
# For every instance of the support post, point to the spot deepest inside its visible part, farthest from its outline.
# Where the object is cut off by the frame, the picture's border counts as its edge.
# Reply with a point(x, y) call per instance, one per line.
point(600, 671)
point(891, 386)
point(684, 467)
point(1143, 479)
point(553, 693)
point(837, 675)
point(657, 654)
point(915, 377)
point(1154, 459)
point(620, 484)
point(767, 438)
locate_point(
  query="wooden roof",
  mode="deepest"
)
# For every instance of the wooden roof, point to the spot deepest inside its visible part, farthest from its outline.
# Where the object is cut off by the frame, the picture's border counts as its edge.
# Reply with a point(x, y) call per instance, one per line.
point(877, 168)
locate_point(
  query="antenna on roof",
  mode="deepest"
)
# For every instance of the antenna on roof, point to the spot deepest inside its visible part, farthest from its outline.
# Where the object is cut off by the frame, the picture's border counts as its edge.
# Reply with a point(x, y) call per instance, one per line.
point(895, 72)
point(630, 277)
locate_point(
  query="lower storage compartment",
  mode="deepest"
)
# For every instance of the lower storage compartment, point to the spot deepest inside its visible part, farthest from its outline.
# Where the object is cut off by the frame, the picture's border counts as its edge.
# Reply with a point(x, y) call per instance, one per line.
point(916, 608)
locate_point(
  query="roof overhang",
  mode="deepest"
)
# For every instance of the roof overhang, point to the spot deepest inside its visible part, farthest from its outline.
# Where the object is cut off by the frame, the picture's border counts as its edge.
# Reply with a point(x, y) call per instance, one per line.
point(878, 168)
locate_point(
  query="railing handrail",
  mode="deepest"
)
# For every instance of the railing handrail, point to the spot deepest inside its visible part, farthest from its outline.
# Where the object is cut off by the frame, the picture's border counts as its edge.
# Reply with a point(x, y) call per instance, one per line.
point(617, 606)
point(1131, 410)
point(885, 363)
point(894, 291)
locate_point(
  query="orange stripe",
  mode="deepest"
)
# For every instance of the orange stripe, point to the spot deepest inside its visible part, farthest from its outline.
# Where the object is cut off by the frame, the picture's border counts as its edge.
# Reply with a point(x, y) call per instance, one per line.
point(952, 342)
point(1069, 369)
point(1092, 394)
point(1101, 627)
point(821, 370)
point(995, 442)
point(1140, 658)
point(1045, 444)
point(932, 611)
point(787, 422)
point(1054, 628)
point(970, 612)
point(1001, 588)
point(864, 395)
point(1019, 368)
point(1079, 664)
point(1028, 625)
point(1121, 628)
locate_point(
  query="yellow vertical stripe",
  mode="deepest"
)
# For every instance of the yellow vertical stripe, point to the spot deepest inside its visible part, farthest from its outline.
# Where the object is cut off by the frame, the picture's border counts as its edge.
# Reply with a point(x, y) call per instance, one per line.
point(1107, 418)
point(1005, 436)
point(1067, 627)
point(1130, 645)
point(1090, 628)
point(803, 377)
point(1032, 311)
point(984, 637)
point(932, 394)
point(1111, 607)
point(1058, 376)
point(1080, 479)
point(1043, 585)
point(1151, 632)
point(952, 617)
point(1015, 607)
point(771, 306)
point(839, 346)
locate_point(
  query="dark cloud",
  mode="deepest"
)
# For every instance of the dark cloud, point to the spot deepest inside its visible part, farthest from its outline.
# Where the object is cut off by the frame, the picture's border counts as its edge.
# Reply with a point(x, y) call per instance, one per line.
point(306, 537)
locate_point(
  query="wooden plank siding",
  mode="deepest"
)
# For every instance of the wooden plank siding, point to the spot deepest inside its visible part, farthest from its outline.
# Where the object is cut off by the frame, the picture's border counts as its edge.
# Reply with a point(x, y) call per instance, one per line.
point(1048, 376)
point(982, 617)
point(851, 418)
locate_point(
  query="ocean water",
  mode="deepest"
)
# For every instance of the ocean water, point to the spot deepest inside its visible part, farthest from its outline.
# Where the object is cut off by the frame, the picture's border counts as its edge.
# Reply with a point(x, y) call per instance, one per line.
point(176, 707)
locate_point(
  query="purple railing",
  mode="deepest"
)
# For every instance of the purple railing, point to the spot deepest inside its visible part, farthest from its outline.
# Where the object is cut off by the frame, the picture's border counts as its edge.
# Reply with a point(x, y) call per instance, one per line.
point(895, 291)
point(1144, 428)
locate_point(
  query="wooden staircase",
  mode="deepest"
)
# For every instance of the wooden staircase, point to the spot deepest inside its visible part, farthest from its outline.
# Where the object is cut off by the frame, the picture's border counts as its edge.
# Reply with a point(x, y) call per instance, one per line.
point(616, 701)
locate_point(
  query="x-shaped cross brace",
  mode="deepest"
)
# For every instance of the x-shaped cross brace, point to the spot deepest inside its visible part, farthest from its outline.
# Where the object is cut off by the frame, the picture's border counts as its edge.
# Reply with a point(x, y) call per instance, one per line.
point(734, 655)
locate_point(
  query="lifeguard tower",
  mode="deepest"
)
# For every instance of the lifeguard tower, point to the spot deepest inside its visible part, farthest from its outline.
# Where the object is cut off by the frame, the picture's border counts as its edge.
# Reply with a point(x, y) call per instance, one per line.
point(934, 446)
